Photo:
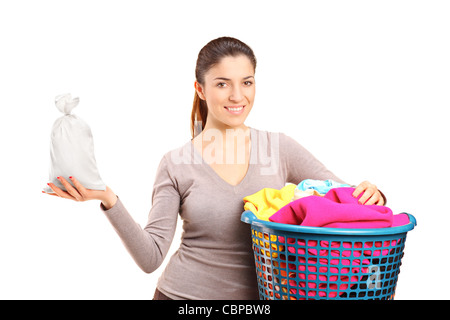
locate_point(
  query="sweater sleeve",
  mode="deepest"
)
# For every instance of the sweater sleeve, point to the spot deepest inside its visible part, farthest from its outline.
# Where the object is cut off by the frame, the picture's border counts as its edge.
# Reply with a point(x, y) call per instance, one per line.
point(148, 246)
point(300, 164)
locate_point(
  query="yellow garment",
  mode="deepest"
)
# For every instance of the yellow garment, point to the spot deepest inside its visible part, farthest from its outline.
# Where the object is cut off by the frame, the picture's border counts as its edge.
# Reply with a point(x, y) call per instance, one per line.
point(267, 201)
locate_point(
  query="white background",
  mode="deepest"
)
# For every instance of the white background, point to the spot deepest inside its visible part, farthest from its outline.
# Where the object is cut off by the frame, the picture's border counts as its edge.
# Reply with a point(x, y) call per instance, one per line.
point(364, 85)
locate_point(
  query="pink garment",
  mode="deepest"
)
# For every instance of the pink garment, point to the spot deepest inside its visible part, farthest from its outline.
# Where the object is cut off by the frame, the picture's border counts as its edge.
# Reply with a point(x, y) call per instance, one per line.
point(337, 209)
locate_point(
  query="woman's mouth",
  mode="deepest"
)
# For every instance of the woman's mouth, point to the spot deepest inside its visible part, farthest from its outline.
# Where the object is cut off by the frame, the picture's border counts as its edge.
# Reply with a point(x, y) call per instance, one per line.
point(235, 109)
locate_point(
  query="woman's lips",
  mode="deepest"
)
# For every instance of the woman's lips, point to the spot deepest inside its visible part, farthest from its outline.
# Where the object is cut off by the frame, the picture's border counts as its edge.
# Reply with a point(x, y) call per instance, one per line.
point(235, 109)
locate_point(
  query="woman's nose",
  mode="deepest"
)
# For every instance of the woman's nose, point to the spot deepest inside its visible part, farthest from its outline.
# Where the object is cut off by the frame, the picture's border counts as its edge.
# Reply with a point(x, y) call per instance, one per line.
point(236, 94)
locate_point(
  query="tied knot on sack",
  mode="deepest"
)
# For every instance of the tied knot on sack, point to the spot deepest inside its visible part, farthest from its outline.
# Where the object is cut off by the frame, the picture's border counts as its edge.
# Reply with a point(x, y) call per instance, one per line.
point(65, 103)
point(72, 148)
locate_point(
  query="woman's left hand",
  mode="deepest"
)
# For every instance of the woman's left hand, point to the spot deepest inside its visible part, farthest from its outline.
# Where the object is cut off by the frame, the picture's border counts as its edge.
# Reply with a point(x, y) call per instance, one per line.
point(371, 194)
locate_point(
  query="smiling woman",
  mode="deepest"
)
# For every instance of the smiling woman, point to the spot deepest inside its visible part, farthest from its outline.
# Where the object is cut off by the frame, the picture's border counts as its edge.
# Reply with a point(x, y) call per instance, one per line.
point(228, 92)
point(228, 85)
point(205, 186)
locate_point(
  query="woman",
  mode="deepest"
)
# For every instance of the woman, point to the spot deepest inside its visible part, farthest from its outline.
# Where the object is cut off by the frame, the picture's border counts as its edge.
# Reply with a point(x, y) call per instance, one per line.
point(205, 181)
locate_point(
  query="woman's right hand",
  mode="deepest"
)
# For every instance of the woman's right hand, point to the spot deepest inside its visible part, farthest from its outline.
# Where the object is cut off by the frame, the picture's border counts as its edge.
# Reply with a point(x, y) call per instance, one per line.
point(80, 193)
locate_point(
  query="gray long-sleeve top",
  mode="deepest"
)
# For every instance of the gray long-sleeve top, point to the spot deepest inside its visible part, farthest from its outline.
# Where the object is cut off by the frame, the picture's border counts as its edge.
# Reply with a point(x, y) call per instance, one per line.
point(215, 259)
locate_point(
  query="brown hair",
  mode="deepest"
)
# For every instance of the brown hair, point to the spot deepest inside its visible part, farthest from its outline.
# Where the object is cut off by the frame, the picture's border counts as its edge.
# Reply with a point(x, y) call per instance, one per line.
point(210, 55)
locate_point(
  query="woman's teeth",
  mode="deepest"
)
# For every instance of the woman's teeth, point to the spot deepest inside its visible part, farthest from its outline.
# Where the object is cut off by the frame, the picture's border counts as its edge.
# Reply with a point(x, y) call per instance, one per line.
point(235, 109)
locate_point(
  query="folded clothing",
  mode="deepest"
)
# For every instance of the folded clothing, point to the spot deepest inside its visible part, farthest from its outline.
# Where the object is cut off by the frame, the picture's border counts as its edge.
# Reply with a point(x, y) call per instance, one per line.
point(337, 209)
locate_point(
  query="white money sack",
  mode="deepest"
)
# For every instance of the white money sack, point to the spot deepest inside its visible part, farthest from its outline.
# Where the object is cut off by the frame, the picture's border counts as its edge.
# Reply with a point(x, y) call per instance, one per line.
point(72, 149)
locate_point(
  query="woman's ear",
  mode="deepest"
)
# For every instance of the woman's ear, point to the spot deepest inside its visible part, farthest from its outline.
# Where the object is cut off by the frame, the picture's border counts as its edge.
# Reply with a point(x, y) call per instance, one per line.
point(199, 89)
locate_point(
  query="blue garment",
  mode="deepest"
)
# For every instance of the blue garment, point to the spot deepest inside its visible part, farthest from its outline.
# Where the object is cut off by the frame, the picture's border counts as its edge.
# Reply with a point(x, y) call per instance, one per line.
point(321, 186)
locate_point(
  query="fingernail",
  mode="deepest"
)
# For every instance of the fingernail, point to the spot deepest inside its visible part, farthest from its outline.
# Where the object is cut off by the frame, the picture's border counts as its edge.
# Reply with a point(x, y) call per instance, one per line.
point(58, 178)
point(48, 184)
point(70, 177)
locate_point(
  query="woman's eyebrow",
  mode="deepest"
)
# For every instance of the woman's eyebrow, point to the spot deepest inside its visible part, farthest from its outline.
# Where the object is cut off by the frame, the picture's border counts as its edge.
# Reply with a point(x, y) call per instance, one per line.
point(226, 79)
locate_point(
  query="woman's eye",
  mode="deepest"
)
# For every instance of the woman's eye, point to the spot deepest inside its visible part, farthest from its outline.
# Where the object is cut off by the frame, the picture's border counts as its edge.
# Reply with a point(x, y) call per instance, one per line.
point(223, 84)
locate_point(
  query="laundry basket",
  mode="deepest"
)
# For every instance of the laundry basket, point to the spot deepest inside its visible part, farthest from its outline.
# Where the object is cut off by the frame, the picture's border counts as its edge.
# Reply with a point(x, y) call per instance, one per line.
point(299, 263)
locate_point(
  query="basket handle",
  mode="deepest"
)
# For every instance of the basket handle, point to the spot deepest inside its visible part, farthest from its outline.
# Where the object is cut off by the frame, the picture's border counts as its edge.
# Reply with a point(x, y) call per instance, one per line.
point(411, 218)
point(248, 217)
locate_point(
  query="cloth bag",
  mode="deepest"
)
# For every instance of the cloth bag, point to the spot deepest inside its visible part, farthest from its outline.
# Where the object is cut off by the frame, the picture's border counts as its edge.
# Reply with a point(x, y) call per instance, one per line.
point(72, 148)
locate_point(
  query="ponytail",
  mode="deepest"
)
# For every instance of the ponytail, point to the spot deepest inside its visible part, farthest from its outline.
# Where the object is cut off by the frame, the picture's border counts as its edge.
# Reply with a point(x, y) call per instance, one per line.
point(198, 115)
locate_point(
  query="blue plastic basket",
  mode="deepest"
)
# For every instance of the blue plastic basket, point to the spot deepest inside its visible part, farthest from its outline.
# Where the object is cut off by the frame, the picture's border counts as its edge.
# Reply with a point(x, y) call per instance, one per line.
point(299, 263)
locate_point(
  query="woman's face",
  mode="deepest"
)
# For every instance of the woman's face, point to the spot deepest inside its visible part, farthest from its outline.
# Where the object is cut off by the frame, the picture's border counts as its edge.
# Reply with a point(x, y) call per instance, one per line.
point(229, 91)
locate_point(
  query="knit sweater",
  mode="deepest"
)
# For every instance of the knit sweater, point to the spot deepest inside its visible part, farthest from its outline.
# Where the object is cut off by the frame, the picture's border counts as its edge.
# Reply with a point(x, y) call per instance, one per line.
point(215, 259)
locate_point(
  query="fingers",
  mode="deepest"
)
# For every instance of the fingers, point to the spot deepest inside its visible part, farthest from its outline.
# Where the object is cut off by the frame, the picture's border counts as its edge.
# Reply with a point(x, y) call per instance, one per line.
point(374, 199)
point(71, 190)
point(59, 192)
point(76, 191)
point(366, 189)
point(82, 191)
point(50, 194)
point(381, 201)
point(365, 197)
point(70, 193)
point(370, 194)
point(360, 188)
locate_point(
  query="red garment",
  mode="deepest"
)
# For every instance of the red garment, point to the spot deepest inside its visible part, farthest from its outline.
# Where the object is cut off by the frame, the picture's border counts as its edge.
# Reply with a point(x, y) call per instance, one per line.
point(337, 209)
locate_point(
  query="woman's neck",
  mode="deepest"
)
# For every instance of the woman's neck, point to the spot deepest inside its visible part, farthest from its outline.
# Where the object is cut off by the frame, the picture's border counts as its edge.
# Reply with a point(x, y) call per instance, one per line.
point(224, 140)
point(223, 129)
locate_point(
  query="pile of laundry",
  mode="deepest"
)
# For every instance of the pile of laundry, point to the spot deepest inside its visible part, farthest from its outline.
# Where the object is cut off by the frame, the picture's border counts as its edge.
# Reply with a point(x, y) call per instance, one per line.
point(317, 203)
